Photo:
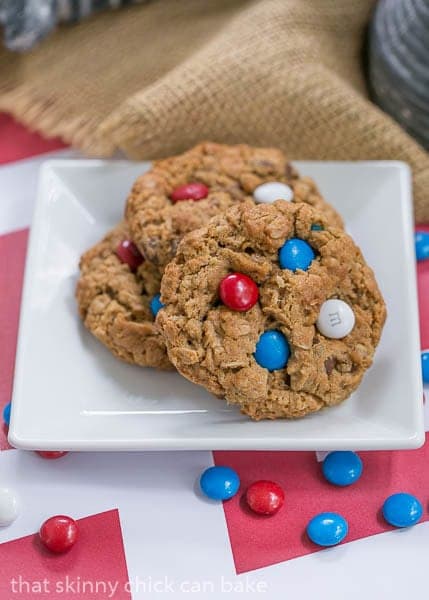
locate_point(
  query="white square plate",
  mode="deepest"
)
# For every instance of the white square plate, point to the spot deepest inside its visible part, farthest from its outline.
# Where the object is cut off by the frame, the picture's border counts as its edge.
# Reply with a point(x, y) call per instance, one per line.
point(71, 394)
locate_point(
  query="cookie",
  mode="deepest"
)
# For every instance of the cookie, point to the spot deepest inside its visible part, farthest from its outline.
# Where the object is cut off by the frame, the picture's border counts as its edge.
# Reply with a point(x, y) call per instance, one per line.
point(215, 177)
point(271, 308)
point(115, 292)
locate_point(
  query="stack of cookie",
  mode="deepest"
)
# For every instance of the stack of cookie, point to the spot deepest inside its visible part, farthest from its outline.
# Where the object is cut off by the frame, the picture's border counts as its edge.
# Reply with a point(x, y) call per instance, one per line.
point(232, 268)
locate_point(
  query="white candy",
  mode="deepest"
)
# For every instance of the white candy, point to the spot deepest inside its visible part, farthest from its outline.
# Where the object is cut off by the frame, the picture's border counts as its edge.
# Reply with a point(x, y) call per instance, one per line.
point(273, 190)
point(9, 507)
point(336, 319)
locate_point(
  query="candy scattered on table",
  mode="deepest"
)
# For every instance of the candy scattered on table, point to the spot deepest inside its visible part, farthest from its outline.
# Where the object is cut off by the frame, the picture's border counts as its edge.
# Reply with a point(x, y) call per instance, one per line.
point(129, 254)
point(336, 319)
point(422, 245)
point(238, 292)
point(156, 304)
point(425, 366)
point(59, 533)
point(342, 468)
point(271, 191)
point(272, 350)
point(219, 483)
point(296, 254)
point(265, 497)
point(402, 510)
point(51, 454)
point(9, 506)
point(327, 529)
point(190, 191)
point(6, 413)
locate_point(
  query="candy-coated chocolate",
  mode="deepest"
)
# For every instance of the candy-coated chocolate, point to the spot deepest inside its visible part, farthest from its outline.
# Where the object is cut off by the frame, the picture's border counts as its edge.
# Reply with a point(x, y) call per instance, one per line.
point(190, 191)
point(219, 483)
point(238, 292)
point(336, 319)
point(422, 245)
point(271, 191)
point(51, 454)
point(316, 227)
point(9, 506)
point(425, 366)
point(402, 510)
point(272, 350)
point(6, 413)
point(156, 304)
point(296, 254)
point(327, 529)
point(59, 533)
point(129, 254)
point(265, 497)
point(342, 467)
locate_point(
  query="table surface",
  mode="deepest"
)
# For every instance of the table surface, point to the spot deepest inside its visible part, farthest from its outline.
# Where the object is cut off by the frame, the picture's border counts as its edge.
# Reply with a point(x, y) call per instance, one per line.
point(145, 531)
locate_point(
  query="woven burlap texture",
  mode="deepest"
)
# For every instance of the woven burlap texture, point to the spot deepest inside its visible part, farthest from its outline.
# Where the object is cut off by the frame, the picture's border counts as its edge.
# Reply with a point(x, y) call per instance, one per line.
point(152, 80)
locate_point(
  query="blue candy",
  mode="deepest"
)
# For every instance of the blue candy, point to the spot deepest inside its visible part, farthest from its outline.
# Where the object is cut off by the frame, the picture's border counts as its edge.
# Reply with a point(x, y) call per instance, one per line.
point(402, 510)
point(422, 244)
point(316, 227)
point(425, 366)
point(219, 483)
point(6, 414)
point(272, 350)
point(327, 529)
point(342, 467)
point(296, 254)
point(156, 304)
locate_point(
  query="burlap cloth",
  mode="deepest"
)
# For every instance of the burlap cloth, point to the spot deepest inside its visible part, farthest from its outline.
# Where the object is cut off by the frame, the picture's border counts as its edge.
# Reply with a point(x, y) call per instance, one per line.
point(152, 80)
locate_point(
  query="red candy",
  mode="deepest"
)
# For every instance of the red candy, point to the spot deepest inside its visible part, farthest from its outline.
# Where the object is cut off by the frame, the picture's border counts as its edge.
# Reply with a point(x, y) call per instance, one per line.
point(129, 254)
point(50, 454)
point(238, 292)
point(59, 533)
point(265, 497)
point(189, 191)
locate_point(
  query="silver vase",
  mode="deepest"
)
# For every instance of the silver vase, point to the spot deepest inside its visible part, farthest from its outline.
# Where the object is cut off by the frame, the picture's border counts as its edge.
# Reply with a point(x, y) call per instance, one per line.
point(399, 63)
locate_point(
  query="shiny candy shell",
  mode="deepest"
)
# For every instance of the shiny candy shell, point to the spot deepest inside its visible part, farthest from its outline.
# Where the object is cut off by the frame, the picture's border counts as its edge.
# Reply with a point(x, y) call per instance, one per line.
point(422, 245)
point(219, 483)
point(296, 254)
point(271, 191)
point(189, 191)
point(51, 454)
point(238, 292)
point(265, 497)
point(425, 366)
point(129, 254)
point(156, 304)
point(9, 506)
point(6, 413)
point(272, 350)
point(342, 468)
point(59, 533)
point(336, 319)
point(402, 510)
point(327, 529)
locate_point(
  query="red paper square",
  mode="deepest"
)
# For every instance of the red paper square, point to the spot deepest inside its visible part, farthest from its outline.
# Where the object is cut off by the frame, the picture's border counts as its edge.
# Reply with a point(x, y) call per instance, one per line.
point(258, 541)
point(30, 571)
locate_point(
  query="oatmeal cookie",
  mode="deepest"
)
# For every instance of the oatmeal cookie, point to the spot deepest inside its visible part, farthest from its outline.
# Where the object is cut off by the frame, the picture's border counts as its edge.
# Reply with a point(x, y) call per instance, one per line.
point(271, 308)
point(117, 298)
point(182, 193)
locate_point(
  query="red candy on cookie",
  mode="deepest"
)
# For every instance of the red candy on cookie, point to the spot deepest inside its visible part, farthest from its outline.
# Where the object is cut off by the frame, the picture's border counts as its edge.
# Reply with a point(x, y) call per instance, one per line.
point(129, 254)
point(265, 497)
point(189, 191)
point(59, 533)
point(238, 292)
